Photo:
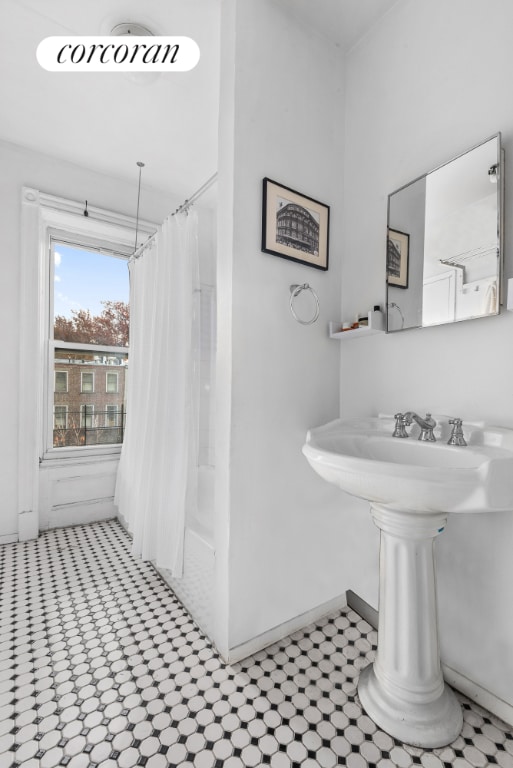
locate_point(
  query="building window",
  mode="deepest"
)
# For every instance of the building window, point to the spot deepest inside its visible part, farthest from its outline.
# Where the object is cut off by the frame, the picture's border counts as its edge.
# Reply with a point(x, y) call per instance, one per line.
point(111, 383)
point(87, 416)
point(61, 381)
point(113, 416)
point(60, 417)
point(87, 382)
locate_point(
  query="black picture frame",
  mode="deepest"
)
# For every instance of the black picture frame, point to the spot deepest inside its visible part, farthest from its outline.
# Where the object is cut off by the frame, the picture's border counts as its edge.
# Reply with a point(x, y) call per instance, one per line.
point(294, 226)
point(398, 254)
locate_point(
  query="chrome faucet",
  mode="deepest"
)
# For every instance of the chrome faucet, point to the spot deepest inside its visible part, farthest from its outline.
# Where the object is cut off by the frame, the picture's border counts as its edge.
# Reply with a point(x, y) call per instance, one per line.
point(400, 425)
point(427, 425)
point(457, 437)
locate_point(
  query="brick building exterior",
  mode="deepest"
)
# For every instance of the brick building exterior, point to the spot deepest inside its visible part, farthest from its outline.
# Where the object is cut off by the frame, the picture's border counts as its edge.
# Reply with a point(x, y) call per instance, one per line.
point(89, 395)
point(296, 227)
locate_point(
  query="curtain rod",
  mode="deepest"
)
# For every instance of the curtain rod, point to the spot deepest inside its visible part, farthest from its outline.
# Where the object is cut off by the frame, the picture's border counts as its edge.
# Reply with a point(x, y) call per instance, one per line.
point(181, 208)
point(187, 203)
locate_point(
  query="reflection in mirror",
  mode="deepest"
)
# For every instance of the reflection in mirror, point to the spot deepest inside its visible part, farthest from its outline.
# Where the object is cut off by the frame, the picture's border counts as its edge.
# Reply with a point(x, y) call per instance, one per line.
point(443, 243)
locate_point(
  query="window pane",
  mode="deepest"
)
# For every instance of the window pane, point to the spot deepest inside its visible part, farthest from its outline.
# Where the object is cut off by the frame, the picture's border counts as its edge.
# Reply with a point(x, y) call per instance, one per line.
point(87, 381)
point(90, 306)
point(61, 381)
point(91, 293)
point(86, 415)
point(60, 417)
point(112, 382)
point(113, 416)
point(100, 420)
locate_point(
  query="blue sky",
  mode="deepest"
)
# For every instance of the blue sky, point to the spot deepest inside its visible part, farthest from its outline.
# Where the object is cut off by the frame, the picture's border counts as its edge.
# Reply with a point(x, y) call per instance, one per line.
point(84, 278)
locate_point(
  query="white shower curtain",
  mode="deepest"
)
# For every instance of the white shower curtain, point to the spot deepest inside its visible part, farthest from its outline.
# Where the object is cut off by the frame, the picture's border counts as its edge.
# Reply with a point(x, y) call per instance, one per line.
point(157, 476)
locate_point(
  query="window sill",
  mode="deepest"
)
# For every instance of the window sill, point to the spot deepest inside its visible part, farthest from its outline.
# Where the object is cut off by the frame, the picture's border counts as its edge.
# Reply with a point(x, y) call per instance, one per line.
point(89, 455)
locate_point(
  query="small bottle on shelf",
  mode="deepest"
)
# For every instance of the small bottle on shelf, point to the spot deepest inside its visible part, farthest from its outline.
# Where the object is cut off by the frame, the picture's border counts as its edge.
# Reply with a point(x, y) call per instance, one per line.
point(377, 317)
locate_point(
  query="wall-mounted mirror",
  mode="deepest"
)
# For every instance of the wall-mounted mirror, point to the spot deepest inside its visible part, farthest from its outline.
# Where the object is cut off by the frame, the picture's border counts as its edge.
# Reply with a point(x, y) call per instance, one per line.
point(444, 242)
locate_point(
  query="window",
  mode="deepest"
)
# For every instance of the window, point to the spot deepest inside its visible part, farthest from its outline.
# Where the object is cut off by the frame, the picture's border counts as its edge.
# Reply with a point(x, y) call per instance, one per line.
point(89, 320)
point(45, 439)
point(87, 382)
point(60, 417)
point(61, 381)
point(111, 383)
point(113, 416)
point(87, 416)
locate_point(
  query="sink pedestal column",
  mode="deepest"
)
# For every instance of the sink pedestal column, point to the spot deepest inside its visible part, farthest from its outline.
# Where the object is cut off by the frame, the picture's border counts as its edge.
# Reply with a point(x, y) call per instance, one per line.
point(404, 691)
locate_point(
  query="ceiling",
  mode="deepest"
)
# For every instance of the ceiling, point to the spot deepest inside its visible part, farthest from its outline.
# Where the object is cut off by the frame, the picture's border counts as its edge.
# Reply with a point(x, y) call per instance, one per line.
point(106, 122)
point(344, 22)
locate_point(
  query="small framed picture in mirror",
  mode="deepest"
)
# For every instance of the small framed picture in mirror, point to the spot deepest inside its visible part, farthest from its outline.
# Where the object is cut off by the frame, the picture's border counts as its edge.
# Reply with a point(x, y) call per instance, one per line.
point(398, 246)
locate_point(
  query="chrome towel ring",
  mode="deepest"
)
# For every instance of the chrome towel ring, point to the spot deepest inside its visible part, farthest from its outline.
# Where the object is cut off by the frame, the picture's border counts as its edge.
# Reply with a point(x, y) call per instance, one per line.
point(295, 290)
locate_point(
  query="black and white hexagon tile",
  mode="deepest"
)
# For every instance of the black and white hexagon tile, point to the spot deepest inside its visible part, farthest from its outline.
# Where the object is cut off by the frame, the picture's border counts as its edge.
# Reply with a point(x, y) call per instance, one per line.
point(100, 665)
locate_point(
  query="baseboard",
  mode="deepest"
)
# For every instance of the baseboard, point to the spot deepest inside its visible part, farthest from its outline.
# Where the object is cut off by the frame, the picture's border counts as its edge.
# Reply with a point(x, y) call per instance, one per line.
point(362, 608)
point(274, 635)
point(8, 538)
point(123, 523)
point(456, 680)
point(479, 695)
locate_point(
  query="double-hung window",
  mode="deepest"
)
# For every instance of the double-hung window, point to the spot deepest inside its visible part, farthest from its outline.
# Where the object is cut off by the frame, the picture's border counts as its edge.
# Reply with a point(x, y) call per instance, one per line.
point(88, 342)
point(73, 321)
point(60, 417)
point(61, 381)
point(113, 416)
point(111, 382)
point(87, 381)
point(86, 416)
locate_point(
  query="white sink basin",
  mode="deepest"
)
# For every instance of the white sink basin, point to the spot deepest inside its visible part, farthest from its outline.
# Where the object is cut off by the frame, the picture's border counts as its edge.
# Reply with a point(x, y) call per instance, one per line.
point(412, 487)
point(363, 459)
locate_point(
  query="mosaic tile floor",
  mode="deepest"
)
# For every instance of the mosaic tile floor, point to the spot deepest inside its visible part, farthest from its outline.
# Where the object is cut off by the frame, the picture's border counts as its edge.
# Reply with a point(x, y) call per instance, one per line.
point(100, 665)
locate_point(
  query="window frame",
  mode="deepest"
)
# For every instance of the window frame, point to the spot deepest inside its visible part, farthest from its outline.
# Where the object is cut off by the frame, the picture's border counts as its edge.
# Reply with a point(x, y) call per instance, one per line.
point(61, 391)
point(116, 414)
point(55, 237)
point(86, 391)
point(45, 217)
point(65, 407)
point(86, 411)
point(114, 391)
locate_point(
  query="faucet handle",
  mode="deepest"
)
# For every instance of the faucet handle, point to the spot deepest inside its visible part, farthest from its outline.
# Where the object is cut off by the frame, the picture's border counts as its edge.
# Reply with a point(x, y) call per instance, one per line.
point(401, 422)
point(457, 437)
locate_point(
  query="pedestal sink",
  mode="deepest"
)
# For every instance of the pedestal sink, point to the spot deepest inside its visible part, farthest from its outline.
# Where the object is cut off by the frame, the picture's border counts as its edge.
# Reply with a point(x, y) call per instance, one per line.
point(412, 487)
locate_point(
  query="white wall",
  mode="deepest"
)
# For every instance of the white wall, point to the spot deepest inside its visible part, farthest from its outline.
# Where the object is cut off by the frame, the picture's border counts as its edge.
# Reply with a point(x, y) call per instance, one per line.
point(282, 547)
point(430, 81)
